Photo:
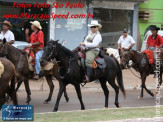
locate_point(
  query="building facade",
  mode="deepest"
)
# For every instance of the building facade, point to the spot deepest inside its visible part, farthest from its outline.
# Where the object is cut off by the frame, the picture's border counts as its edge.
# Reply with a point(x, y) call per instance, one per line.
point(114, 15)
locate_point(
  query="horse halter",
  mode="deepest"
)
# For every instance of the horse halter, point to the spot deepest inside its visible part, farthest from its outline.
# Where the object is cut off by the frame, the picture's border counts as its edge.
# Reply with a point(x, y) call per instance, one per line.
point(50, 56)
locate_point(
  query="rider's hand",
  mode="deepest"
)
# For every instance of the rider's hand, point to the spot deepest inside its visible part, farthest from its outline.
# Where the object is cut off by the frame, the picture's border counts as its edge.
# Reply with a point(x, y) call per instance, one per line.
point(26, 31)
point(82, 44)
point(29, 45)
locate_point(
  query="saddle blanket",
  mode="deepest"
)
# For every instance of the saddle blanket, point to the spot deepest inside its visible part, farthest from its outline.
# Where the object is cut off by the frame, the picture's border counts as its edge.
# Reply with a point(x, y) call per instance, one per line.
point(150, 56)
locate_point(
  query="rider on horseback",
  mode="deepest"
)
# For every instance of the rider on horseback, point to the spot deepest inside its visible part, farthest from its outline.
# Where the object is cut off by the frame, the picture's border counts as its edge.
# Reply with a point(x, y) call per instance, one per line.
point(6, 33)
point(36, 45)
point(92, 44)
point(125, 42)
point(154, 42)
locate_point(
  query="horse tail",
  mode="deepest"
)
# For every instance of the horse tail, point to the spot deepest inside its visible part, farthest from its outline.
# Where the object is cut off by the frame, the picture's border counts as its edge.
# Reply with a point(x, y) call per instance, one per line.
point(120, 78)
point(13, 91)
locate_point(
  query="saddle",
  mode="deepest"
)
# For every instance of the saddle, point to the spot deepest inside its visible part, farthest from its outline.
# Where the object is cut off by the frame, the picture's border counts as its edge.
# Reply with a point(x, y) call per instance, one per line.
point(99, 61)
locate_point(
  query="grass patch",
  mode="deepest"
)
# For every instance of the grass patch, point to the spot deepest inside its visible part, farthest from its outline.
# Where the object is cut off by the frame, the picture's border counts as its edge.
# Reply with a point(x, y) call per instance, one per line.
point(98, 115)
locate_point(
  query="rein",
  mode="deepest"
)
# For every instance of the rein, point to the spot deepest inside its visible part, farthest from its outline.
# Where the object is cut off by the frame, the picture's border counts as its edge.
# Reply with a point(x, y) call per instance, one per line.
point(135, 65)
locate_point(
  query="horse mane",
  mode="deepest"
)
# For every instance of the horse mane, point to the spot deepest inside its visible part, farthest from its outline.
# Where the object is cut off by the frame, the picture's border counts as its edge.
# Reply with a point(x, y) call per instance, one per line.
point(66, 50)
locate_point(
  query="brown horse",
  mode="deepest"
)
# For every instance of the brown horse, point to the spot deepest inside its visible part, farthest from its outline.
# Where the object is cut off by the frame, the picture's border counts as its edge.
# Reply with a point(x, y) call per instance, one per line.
point(23, 73)
point(7, 70)
point(141, 65)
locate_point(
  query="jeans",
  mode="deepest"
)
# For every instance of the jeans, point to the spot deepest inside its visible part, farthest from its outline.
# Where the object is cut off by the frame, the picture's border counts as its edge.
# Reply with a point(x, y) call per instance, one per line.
point(37, 61)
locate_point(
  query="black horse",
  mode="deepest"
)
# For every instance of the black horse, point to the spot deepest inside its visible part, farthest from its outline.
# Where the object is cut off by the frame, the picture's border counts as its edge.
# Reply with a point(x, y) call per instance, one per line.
point(141, 65)
point(72, 73)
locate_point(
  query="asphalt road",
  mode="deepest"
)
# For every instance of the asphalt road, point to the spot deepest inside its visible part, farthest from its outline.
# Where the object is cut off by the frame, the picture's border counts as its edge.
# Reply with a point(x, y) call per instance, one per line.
point(92, 93)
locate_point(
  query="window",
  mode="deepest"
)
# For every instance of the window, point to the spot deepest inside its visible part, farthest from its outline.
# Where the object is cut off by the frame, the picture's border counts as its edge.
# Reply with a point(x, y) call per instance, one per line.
point(113, 22)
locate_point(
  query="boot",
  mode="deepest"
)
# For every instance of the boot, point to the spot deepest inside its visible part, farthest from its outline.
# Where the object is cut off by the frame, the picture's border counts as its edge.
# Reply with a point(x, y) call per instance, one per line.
point(36, 77)
point(88, 75)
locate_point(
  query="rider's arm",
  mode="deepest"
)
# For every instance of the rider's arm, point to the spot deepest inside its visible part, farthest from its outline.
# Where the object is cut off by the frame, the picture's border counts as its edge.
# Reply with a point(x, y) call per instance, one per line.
point(147, 47)
point(148, 43)
point(27, 36)
point(119, 43)
point(119, 46)
point(12, 38)
point(35, 44)
point(132, 43)
point(131, 46)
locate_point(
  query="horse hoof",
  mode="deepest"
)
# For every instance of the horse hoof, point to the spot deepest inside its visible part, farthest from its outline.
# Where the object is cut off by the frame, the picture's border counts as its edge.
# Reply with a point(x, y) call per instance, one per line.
point(105, 107)
point(135, 87)
point(67, 99)
point(138, 98)
point(83, 108)
point(27, 103)
point(118, 105)
point(55, 110)
point(45, 102)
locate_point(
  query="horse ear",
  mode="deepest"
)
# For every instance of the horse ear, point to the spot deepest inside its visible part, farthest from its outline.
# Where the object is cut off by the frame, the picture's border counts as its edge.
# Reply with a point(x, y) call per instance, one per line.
point(4, 41)
point(57, 40)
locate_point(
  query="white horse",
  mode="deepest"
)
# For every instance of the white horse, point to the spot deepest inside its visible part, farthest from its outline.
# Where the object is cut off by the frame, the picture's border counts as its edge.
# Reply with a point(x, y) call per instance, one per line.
point(114, 52)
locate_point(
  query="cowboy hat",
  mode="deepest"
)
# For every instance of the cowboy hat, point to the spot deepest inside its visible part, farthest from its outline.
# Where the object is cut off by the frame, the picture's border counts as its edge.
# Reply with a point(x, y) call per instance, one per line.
point(6, 22)
point(154, 27)
point(37, 24)
point(95, 23)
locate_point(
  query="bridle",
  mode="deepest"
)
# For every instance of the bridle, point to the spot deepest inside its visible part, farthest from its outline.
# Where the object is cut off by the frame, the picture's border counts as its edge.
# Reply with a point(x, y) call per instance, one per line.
point(135, 65)
point(128, 58)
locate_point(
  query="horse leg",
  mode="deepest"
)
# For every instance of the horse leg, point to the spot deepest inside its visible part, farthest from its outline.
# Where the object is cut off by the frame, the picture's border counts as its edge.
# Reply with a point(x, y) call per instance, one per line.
point(13, 91)
point(142, 86)
point(116, 89)
point(12, 94)
point(106, 91)
point(2, 100)
point(66, 95)
point(19, 84)
point(26, 83)
point(61, 89)
point(57, 76)
point(78, 91)
point(51, 86)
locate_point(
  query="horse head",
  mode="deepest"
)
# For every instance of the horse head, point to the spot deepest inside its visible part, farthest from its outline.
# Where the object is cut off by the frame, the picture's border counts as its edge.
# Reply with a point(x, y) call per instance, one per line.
point(49, 52)
point(3, 47)
point(125, 58)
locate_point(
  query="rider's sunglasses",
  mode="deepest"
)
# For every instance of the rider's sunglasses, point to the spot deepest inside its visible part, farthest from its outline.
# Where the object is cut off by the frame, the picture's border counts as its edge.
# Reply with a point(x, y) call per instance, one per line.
point(93, 26)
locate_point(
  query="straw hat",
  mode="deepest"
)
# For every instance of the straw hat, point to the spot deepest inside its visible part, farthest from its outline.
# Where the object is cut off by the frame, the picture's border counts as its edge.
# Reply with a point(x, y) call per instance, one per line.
point(37, 24)
point(95, 23)
point(6, 22)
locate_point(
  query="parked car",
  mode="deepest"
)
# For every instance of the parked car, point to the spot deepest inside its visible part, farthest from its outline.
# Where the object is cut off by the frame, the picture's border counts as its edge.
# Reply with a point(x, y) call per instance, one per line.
point(160, 32)
point(20, 44)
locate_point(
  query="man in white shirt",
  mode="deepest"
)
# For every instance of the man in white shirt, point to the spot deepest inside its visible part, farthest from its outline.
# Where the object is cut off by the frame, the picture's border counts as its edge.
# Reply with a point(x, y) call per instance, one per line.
point(125, 41)
point(92, 43)
point(6, 33)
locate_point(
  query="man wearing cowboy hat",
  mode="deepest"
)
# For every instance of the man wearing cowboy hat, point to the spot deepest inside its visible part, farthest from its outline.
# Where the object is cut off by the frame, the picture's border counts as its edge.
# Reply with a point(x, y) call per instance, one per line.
point(154, 42)
point(36, 43)
point(6, 33)
point(92, 43)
